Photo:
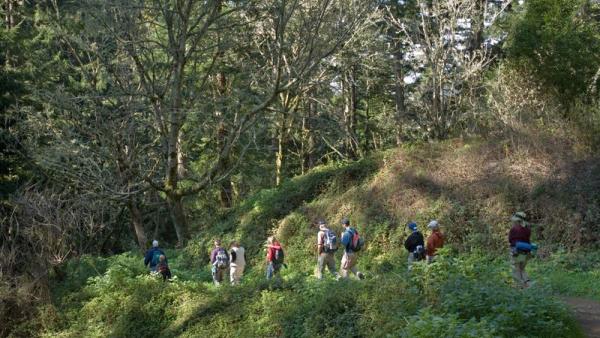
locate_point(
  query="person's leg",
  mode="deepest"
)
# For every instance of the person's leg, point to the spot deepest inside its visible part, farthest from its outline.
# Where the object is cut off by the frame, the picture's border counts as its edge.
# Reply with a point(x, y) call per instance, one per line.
point(343, 266)
point(239, 273)
point(517, 269)
point(220, 274)
point(232, 274)
point(330, 260)
point(321, 265)
point(269, 271)
point(411, 259)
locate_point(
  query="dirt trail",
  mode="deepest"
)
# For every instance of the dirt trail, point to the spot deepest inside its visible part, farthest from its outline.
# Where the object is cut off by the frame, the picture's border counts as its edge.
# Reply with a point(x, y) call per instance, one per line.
point(587, 313)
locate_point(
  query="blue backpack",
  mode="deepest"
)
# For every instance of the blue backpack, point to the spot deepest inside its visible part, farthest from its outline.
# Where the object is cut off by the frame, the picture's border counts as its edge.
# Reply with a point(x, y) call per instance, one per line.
point(155, 258)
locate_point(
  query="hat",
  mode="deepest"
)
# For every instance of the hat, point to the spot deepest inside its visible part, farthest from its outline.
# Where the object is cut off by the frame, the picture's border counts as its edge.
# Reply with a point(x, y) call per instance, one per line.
point(155, 243)
point(345, 221)
point(412, 226)
point(433, 224)
point(519, 217)
point(322, 224)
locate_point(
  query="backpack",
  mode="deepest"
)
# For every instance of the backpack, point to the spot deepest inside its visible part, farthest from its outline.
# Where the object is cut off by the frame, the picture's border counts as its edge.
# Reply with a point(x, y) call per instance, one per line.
point(162, 268)
point(278, 256)
point(155, 258)
point(419, 253)
point(222, 259)
point(330, 241)
point(357, 242)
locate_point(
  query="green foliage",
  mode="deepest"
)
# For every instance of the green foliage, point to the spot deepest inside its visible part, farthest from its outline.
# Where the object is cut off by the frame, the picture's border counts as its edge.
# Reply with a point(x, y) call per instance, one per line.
point(558, 40)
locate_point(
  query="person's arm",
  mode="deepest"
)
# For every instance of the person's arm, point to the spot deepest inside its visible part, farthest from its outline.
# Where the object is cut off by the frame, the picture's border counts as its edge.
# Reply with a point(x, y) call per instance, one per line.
point(233, 256)
point(407, 243)
point(319, 243)
point(511, 236)
point(213, 256)
point(269, 254)
point(148, 257)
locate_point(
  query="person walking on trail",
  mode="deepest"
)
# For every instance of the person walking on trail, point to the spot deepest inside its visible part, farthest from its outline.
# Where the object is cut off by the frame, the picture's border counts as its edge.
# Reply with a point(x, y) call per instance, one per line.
point(163, 268)
point(519, 239)
point(219, 258)
point(327, 245)
point(274, 257)
point(152, 256)
point(352, 244)
point(435, 241)
point(238, 263)
point(414, 244)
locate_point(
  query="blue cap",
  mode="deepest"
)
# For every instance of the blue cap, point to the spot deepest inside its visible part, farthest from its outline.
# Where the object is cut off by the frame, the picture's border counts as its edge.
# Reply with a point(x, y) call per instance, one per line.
point(412, 226)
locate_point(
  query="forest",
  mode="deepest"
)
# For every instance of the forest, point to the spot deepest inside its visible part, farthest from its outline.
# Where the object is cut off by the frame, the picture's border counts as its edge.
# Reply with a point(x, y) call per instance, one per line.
point(186, 121)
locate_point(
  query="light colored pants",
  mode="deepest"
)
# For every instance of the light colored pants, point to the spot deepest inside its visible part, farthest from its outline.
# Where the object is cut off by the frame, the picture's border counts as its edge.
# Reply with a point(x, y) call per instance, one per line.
point(326, 259)
point(235, 273)
point(518, 263)
point(430, 259)
point(349, 261)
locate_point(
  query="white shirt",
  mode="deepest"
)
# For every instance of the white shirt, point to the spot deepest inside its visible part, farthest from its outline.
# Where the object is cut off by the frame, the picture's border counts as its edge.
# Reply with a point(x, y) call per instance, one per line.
point(240, 260)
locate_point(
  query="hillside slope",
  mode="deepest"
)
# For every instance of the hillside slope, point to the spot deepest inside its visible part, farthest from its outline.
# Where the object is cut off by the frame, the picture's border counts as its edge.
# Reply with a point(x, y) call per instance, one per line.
point(470, 187)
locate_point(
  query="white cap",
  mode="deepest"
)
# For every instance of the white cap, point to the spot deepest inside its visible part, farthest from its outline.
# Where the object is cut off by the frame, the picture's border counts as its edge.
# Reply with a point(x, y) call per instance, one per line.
point(155, 243)
point(433, 224)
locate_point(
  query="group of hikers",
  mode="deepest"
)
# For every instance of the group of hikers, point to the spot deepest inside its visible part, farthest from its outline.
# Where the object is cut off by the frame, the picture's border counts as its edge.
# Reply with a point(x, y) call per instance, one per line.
point(418, 249)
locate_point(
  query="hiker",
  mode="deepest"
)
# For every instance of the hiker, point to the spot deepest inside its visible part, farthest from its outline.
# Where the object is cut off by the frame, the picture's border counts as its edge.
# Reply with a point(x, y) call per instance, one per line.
point(327, 245)
point(163, 268)
point(219, 258)
point(274, 257)
point(352, 243)
point(414, 244)
point(238, 263)
point(152, 256)
point(435, 241)
point(520, 232)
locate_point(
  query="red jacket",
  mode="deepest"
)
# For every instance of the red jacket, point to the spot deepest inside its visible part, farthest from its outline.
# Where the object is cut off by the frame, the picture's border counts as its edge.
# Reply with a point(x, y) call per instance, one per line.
point(271, 251)
point(519, 233)
point(434, 242)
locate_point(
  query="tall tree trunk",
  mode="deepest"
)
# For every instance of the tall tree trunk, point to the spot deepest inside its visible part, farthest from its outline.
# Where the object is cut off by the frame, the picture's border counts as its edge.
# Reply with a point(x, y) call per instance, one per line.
point(178, 218)
point(307, 158)
point(399, 98)
point(226, 193)
point(174, 147)
point(350, 106)
point(479, 25)
point(138, 225)
point(279, 155)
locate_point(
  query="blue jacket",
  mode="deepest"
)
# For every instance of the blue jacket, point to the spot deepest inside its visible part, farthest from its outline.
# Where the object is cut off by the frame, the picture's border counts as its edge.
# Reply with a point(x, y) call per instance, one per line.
point(150, 254)
point(347, 239)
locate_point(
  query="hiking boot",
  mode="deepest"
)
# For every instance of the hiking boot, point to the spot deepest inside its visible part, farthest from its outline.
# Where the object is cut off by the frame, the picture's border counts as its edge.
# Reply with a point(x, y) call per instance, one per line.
point(360, 275)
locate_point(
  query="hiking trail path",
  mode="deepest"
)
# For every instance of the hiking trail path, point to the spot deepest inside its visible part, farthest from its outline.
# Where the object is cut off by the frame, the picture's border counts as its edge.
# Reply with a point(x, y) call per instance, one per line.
point(587, 313)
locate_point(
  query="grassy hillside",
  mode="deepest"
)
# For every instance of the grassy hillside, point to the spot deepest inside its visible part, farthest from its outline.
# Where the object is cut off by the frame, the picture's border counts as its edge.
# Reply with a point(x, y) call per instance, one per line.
point(470, 187)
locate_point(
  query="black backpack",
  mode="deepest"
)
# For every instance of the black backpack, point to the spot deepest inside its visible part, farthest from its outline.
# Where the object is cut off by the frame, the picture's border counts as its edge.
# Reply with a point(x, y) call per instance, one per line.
point(278, 256)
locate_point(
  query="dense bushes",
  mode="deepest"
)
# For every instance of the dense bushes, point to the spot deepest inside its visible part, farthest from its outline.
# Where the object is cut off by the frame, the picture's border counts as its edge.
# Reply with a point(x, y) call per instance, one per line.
point(464, 296)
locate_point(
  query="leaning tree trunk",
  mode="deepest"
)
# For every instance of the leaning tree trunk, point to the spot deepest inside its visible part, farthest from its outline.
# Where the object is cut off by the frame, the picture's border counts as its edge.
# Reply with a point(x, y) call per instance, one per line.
point(138, 225)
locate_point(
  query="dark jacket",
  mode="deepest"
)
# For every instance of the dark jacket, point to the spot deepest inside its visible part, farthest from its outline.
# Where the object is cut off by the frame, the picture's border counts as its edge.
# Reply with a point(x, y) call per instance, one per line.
point(519, 233)
point(415, 239)
point(150, 254)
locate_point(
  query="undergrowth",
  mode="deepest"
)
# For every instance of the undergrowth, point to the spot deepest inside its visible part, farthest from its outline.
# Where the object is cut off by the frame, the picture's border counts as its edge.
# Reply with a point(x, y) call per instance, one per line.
point(466, 293)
